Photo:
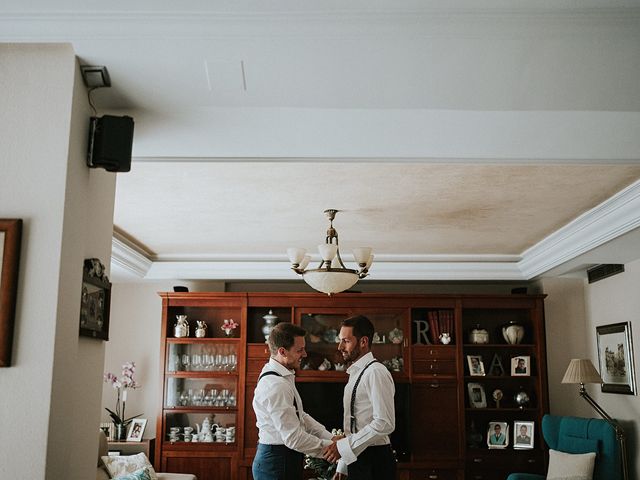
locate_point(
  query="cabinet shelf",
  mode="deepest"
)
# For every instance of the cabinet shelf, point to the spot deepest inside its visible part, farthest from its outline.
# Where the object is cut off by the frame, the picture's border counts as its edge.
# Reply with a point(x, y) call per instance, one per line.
point(477, 378)
point(490, 409)
point(200, 374)
point(204, 408)
point(498, 345)
point(203, 340)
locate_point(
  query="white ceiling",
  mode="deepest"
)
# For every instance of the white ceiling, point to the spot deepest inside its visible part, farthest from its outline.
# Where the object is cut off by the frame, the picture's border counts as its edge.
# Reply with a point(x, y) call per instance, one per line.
point(462, 139)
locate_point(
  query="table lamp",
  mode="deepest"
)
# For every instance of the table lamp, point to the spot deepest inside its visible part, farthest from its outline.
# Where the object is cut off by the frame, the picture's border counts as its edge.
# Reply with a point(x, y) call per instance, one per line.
point(581, 370)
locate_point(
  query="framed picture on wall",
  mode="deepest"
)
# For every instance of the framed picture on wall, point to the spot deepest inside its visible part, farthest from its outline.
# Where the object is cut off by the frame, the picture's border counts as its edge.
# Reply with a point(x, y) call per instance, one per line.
point(615, 358)
point(10, 234)
point(95, 300)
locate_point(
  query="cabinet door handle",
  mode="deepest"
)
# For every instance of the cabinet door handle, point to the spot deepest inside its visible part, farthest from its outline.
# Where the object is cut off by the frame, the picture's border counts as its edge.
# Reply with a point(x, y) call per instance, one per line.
point(531, 460)
point(477, 460)
point(434, 385)
point(433, 475)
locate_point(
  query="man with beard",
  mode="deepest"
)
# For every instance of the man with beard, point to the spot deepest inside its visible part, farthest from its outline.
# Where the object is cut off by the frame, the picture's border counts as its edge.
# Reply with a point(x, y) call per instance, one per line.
point(369, 412)
point(285, 431)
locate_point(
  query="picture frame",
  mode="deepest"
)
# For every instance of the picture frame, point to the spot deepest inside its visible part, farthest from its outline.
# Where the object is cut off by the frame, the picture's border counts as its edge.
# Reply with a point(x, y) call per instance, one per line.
point(95, 300)
point(523, 434)
point(476, 366)
point(477, 396)
point(615, 358)
point(498, 435)
point(10, 240)
point(521, 366)
point(136, 430)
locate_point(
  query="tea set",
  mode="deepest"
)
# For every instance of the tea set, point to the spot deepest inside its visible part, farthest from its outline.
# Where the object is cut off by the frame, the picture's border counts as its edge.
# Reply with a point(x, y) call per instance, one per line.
point(207, 433)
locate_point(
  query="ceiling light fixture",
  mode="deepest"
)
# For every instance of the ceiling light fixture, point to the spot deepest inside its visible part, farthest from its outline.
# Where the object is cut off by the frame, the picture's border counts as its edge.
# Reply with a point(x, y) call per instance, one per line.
point(331, 276)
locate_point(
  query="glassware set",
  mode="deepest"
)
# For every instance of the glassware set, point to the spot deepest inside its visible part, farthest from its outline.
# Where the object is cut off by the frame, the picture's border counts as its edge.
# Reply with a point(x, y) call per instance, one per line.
point(204, 359)
point(200, 397)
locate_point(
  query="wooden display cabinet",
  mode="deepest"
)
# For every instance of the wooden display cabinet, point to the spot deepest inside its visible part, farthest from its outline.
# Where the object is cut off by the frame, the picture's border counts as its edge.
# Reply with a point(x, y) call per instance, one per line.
point(435, 422)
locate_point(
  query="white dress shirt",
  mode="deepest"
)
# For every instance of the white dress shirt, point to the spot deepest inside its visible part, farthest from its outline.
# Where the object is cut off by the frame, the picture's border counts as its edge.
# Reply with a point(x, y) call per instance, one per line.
point(276, 418)
point(374, 410)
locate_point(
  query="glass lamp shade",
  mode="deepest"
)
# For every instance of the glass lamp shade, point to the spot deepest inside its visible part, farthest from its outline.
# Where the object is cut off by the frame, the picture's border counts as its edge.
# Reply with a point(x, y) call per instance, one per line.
point(327, 251)
point(305, 262)
point(581, 371)
point(296, 255)
point(362, 254)
point(330, 282)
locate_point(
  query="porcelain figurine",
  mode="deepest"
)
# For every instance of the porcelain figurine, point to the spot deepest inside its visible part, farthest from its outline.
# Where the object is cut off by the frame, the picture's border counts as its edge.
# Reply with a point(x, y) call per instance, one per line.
point(445, 338)
point(479, 335)
point(269, 322)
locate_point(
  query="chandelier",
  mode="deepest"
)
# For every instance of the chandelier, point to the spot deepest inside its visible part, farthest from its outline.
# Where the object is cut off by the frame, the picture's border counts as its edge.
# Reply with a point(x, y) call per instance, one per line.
point(331, 276)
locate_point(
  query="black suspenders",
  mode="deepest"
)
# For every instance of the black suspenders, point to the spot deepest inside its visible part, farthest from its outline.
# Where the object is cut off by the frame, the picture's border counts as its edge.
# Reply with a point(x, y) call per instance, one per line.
point(271, 372)
point(353, 398)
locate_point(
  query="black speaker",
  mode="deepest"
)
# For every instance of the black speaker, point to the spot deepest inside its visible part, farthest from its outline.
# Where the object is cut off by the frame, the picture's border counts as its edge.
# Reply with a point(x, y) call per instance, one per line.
point(110, 143)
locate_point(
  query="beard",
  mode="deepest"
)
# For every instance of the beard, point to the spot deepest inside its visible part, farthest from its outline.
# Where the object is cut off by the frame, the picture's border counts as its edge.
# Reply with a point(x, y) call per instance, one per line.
point(351, 356)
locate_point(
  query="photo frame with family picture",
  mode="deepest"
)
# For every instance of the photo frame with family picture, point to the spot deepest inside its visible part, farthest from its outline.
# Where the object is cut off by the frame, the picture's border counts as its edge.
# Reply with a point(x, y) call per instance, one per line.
point(477, 396)
point(136, 430)
point(498, 435)
point(476, 366)
point(521, 366)
point(523, 434)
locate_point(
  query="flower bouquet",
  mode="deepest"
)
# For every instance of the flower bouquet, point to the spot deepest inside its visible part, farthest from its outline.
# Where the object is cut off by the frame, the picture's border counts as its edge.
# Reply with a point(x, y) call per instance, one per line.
point(229, 326)
point(121, 385)
point(320, 467)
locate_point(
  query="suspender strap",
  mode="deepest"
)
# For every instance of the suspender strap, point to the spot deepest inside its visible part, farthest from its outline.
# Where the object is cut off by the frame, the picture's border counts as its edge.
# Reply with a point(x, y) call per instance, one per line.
point(295, 404)
point(353, 398)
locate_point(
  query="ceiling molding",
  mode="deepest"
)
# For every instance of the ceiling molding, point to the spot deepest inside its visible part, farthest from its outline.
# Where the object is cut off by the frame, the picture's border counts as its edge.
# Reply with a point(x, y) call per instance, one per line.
point(616, 216)
point(126, 256)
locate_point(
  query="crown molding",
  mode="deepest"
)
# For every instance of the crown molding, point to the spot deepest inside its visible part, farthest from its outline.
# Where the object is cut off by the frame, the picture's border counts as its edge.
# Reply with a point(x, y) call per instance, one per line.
point(614, 217)
point(129, 257)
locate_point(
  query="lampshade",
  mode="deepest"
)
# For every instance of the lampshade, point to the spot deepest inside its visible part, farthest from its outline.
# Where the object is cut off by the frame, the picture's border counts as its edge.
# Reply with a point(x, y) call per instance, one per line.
point(581, 370)
point(332, 275)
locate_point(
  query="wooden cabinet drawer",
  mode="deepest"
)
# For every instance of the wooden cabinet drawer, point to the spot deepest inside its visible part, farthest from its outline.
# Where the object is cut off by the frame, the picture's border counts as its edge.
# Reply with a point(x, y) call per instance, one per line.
point(430, 352)
point(257, 351)
point(434, 367)
point(254, 367)
point(434, 474)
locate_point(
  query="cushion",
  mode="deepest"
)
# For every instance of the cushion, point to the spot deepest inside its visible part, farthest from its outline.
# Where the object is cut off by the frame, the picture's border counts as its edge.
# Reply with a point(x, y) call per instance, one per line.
point(142, 474)
point(121, 465)
point(569, 444)
point(568, 466)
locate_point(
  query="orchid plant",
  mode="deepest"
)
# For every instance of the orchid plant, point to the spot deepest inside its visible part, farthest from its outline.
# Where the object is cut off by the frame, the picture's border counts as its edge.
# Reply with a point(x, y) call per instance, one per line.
point(122, 385)
point(229, 325)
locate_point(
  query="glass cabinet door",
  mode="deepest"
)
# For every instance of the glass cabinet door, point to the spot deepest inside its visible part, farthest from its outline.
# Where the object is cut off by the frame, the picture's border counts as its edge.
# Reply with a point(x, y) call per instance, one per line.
point(202, 357)
point(322, 340)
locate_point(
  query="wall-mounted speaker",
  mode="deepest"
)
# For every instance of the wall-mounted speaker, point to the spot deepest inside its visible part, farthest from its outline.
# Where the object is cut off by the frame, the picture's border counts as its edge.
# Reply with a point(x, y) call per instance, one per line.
point(110, 143)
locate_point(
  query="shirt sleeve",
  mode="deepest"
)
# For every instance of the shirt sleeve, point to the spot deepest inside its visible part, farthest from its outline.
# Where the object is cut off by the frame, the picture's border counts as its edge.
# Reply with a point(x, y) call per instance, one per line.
point(342, 467)
point(279, 402)
point(381, 392)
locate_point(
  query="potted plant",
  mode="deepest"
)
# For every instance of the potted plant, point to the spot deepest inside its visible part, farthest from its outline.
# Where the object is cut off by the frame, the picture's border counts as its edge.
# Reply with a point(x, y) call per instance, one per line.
point(122, 385)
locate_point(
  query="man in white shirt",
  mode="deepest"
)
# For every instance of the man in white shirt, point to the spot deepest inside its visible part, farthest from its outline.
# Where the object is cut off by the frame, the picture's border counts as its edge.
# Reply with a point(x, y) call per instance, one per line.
point(285, 431)
point(369, 414)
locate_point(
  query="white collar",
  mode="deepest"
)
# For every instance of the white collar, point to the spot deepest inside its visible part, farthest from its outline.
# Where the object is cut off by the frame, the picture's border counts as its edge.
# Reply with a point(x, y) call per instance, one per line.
point(362, 362)
point(277, 367)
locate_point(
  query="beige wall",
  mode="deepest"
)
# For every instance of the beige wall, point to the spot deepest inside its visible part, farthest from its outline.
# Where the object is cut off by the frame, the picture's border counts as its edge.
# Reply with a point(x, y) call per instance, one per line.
point(51, 393)
point(613, 300)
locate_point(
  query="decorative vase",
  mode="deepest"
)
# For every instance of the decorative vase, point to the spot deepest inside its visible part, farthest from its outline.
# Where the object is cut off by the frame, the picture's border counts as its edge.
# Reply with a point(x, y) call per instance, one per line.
point(513, 333)
point(201, 329)
point(181, 328)
point(479, 335)
point(120, 432)
point(269, 322)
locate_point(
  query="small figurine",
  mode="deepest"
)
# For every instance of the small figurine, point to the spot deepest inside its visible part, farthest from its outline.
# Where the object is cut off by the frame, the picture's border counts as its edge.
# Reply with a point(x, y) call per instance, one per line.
point(181, 328)
point(445, 338)
point(201, 329)
point(497, 396)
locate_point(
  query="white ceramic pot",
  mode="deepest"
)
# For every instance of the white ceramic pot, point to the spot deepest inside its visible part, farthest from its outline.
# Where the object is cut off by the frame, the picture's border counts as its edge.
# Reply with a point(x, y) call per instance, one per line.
point(513, 333)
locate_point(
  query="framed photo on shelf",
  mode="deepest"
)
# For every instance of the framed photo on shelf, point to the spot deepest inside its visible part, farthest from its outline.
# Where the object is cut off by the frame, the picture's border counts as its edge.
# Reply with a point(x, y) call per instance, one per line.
point(476, 367)
point(615, 358)
point(522, 434)
point(10, 234)
point(498, 435)
point(477, 397)
point(95, 300)
point(521, 366)
point(136, 430)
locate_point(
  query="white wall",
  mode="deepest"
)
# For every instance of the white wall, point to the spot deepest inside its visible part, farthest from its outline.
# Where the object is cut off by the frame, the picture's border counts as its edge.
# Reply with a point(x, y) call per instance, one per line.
point(612, 300)
point(50, 396)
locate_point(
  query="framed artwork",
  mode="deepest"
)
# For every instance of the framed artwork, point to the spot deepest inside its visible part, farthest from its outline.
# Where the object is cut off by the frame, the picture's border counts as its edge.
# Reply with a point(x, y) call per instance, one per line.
point(522, 434)
point(520, 366)
point(476, 367)
point(10, 234)
point(136, 430)
point(498, 435)
point(477, 397)
point(615, 358)
point(95, 300)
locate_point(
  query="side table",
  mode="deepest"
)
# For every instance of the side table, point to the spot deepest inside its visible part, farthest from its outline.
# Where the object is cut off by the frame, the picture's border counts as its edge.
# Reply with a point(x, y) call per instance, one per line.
point(146, 446)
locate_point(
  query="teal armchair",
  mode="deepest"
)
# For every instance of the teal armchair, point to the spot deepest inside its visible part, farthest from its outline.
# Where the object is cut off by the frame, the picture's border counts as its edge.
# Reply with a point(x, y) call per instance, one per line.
point(582, 435)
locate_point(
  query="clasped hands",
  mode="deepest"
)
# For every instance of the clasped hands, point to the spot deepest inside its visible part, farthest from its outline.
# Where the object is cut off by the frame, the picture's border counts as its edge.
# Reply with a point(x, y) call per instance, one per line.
point(330, 453)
